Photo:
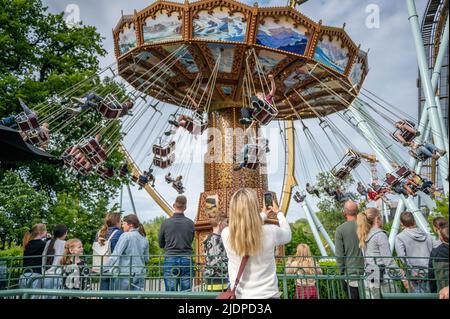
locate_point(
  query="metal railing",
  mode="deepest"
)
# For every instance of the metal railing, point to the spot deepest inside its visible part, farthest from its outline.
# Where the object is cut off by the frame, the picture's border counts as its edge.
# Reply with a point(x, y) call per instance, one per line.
point(190, 277)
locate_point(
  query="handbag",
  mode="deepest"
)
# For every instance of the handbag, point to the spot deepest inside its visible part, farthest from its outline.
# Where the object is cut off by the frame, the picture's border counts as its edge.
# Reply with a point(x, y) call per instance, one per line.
point(231, 294)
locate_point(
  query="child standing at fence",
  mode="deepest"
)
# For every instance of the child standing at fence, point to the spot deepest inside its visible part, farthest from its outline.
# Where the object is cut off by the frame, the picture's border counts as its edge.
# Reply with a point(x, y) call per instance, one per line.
point(304, 265)
point(75, 270)
point(216, 272)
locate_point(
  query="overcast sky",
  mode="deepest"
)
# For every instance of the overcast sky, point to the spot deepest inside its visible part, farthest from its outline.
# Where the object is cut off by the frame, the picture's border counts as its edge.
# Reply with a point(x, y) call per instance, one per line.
point(392, 62)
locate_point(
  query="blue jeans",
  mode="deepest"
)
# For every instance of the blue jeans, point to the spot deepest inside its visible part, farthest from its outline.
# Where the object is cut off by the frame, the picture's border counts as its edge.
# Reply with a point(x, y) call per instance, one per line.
point(427, 149)
point(419, 286)
point(177, 273)
point(9, 121)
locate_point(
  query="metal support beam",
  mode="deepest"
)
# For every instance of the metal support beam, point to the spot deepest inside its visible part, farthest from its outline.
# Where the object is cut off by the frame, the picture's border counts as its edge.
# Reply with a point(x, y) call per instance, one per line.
point(289, 168)
point(313, 227)
point(322, 229)
point(131, 199)
point(396, 224)
point(362, 124)
point(432, 107)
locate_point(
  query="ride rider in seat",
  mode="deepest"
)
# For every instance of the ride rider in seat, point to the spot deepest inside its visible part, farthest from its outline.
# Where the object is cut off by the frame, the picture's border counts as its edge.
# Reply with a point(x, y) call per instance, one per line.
point(183, 120)
point(258, 101)
point(312, 190)
point(424, 151)
point(402, 127)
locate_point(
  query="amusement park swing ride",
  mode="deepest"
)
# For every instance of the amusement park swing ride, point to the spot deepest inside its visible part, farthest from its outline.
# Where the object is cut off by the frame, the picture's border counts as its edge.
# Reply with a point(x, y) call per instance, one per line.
point(212, 58)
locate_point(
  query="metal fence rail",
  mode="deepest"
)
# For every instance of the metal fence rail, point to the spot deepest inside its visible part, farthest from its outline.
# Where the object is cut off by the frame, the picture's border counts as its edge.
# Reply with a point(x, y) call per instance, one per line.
point(298, 278)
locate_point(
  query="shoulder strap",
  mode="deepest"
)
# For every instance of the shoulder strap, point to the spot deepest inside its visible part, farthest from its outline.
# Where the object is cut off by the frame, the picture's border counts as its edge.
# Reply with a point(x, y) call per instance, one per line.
point(112, 235)
point(241, 270)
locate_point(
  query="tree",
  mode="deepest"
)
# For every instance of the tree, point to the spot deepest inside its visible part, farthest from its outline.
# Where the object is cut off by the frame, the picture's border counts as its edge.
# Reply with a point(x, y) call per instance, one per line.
point(40, 56)
point(301, 234)
point(21, 206)
point(152, 230)
point(330, 211)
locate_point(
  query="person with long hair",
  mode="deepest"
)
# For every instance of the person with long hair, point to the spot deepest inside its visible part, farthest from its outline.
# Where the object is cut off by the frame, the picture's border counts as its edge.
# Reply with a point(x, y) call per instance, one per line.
point(374, 243)
point(438, 263)
point(110, 230)
point(75, 270)
point(54, 249)
point(33, 247)
point(130, 255)
point(216, 272)
point(304, 264)
point(247, 235)
point(51, 257)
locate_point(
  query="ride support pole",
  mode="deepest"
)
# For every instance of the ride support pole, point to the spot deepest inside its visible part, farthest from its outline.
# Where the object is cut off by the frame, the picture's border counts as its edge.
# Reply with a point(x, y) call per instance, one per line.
point(362, 124)
point(131, 199)
point(313, 227)
point(322, 229)
point(396, 224)
point(432, 107)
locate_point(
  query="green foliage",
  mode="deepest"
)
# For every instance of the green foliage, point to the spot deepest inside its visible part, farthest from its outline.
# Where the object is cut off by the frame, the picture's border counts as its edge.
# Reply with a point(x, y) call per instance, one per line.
point(152, 230)
point(41, 57)
point(441, 208)
point(15, 251)
point(330, 211)
point(20, 207)
point(301, 234)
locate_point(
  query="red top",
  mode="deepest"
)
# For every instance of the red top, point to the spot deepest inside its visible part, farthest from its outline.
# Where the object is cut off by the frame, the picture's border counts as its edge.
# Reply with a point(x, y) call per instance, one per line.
point(372, 195)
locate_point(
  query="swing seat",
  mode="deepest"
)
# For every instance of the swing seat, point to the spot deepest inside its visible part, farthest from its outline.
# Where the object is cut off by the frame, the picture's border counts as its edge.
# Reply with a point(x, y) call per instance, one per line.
point(342, 173)
point(105, 173)
point(93, 151)
point(391, 180)
point(403, 172)
point(178, 187)
point(196, 126)
point(110, 107)
point(27, 122)
point(408, 136)
point(263, 112)
point(37, 137)
point(353, 162)
point(163, 150)
point(143, 180)
point(169, 179)
point(124, 171)
point(252, 161)
point(422, 158)
point(98, 157)
point(134, 179)
point(164, 162)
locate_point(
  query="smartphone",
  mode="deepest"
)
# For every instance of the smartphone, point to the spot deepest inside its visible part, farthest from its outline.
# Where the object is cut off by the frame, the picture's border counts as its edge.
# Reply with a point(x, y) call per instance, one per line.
point(268, 199)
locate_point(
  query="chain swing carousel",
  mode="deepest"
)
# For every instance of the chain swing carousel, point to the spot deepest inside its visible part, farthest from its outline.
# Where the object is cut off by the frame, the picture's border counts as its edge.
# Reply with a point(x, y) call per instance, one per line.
point(226, 52)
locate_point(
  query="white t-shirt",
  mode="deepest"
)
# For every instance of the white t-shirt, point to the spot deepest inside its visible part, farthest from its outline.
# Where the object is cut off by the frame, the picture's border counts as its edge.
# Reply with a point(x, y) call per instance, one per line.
point(259, 279)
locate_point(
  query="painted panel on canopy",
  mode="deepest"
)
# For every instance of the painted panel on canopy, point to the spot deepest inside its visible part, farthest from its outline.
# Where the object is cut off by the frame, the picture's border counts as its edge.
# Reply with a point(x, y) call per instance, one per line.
point(227, 90)
point(220, 25)
point(127, 38)
point(185, 58)
point(152, 59)
point(227, 57)
point(269, 60)
point(299, 74)
point(330, 52)
point(282, 35)
point(162, 28)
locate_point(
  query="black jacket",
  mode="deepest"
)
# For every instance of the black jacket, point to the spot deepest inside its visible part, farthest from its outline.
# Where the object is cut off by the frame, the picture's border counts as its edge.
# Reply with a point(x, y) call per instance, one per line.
point(438, 267)
point(32, 256)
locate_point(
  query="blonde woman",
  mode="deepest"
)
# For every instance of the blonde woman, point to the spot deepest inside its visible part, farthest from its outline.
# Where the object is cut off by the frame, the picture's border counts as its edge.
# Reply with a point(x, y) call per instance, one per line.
point(247, 236)
point(303, 264)
point(379, 264)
